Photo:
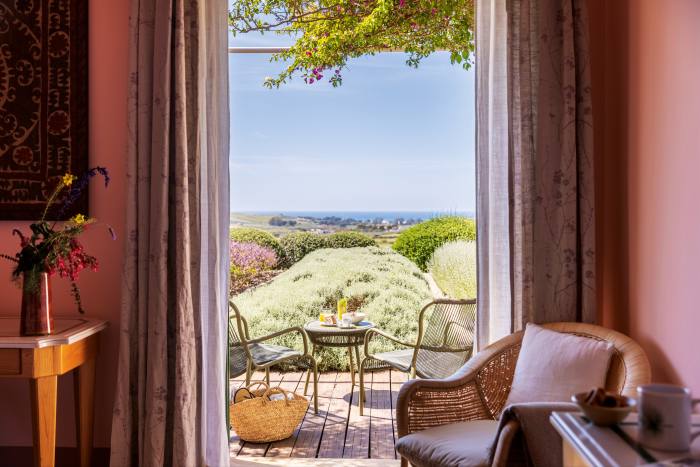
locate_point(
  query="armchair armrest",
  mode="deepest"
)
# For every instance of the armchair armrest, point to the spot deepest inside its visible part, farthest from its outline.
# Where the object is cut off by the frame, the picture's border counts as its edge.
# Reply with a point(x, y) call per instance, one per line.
point(294, 329)
point(476, 392)
point(376, 332)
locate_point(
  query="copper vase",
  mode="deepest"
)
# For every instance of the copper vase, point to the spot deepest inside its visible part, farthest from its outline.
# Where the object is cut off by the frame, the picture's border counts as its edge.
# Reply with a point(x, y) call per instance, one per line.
point(37, 313)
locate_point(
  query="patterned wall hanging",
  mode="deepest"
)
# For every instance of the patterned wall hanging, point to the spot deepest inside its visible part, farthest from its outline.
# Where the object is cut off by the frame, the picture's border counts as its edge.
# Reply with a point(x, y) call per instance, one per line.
point(43, 102)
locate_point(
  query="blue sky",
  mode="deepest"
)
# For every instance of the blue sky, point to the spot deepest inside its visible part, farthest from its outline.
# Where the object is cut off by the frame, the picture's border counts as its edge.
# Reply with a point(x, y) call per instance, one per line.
point(391, 138)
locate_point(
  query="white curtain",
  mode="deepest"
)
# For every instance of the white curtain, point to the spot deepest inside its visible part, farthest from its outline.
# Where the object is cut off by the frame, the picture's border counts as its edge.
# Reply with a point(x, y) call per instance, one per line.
point(214, 272)
point(493, 240)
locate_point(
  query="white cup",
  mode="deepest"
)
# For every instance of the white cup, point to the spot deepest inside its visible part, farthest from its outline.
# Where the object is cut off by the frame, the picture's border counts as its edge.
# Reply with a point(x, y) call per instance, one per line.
point(664, 417)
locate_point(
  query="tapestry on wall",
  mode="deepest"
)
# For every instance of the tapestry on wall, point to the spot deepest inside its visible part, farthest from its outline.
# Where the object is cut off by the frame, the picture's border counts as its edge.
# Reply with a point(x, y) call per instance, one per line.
point(43, 103)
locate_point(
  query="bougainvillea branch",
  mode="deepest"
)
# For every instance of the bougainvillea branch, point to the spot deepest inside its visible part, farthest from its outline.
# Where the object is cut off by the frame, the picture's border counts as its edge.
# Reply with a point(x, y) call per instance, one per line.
point(330, 32)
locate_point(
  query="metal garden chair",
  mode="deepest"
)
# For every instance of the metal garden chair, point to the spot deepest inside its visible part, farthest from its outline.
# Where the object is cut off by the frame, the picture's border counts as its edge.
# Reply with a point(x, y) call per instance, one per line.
point(247, 355)
point(445, 342)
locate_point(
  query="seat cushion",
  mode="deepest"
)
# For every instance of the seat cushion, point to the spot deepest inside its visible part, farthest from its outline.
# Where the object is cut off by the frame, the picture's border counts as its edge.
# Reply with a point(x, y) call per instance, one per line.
point(455, 445)
point(552, 366)
point(264, 353)
point(400, 359)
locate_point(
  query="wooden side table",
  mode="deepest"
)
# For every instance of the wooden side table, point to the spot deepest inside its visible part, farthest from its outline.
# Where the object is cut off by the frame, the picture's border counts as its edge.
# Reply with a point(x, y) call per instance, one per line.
point(584, 444)
point(41, 359)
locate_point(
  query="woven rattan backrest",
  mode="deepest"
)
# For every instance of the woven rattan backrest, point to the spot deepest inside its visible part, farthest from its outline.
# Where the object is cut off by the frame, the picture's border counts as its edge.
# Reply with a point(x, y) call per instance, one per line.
point(237, 353)
point(629, 366)
point(233, 338)
point(446, 337)
point(236, 328)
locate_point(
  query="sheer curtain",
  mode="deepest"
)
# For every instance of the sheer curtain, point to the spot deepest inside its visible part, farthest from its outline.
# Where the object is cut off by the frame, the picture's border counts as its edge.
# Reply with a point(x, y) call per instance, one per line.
point(493, 239)
point(535, 194)
point(169, 407)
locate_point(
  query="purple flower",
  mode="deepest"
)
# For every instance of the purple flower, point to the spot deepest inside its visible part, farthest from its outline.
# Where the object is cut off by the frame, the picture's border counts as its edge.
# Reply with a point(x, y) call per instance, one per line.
point(251, 257)
point(80, 185)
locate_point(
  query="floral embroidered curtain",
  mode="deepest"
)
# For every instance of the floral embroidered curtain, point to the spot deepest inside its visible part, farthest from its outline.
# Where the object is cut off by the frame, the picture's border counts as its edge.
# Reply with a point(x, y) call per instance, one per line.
point(170, 407)
point(535, 172)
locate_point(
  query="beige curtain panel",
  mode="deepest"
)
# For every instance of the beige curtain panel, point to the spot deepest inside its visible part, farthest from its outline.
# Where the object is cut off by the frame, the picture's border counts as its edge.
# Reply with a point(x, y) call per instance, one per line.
point(169, 407)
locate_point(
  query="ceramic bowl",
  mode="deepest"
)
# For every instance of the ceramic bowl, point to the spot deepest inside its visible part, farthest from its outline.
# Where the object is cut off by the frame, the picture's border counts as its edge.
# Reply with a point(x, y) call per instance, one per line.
point(604, 416)
point(357, 317)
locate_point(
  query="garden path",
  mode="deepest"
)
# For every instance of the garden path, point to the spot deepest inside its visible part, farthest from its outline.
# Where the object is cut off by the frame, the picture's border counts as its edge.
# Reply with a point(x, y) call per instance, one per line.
point(338, 430)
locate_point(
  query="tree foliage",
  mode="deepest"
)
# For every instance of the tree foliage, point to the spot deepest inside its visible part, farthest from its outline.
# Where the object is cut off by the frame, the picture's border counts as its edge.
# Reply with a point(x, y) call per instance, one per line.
point(330, 32)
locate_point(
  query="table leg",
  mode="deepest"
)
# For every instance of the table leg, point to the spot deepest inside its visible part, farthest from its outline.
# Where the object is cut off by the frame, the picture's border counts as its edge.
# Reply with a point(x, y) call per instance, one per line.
point(352, 367)
point(84, 396)
point(43, 395)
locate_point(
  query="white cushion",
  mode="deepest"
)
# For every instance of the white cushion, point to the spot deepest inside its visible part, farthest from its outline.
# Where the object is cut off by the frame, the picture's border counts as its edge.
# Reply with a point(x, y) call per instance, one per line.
point(554, 365)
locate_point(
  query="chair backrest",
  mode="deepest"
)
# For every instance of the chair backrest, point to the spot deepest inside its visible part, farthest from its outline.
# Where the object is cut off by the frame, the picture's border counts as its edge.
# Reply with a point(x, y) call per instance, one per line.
point(237, 333)
point(629, 366)
point(446, 331)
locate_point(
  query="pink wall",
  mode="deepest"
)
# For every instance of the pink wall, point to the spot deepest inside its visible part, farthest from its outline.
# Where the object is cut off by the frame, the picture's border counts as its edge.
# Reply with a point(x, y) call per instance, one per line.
point(101, 294)
point(652, 181)
point(649, 191)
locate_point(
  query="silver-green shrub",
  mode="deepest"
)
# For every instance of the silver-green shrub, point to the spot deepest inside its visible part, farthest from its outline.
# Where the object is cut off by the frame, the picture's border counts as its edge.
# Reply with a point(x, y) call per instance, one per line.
point(382, 283)
point(453, 266)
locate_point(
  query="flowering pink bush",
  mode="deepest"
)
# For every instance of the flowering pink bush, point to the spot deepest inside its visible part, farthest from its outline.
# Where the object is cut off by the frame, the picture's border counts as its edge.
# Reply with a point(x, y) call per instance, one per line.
point(248, 261)
point(250, 256)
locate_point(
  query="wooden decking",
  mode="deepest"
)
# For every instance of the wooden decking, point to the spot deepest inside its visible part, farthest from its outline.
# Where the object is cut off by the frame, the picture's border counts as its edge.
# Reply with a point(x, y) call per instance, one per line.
point(338, 430)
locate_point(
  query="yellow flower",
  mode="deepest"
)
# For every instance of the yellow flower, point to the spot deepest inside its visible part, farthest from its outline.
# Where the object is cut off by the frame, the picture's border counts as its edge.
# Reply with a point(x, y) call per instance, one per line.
point(79, 219)
point(68, 179)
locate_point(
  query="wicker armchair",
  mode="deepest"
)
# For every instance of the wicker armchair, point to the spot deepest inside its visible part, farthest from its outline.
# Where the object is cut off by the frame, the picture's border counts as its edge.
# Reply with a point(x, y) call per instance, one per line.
point(445, 343)
point(478, 391)
point(247, 355)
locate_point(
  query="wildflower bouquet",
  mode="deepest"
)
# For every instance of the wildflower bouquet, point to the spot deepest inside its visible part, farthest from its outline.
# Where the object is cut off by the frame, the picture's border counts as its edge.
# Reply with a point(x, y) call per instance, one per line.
point(54, 249)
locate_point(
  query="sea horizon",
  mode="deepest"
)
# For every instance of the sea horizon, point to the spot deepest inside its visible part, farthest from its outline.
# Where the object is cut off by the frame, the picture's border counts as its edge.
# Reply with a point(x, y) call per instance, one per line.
point(362, 215)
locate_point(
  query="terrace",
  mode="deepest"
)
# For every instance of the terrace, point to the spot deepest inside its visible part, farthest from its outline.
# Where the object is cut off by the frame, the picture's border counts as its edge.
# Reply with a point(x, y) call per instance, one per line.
point(390, 287)
point(337, 431)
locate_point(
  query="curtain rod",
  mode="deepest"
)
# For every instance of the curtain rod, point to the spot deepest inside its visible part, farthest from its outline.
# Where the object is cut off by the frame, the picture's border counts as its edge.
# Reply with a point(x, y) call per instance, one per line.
point(256, 50)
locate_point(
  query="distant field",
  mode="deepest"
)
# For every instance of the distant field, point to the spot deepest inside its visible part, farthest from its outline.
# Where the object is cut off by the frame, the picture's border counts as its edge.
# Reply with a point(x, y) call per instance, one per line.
point(262, 222)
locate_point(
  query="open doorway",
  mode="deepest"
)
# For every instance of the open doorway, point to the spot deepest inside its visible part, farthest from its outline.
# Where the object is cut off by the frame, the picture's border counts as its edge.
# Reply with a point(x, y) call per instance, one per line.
point(363, 192)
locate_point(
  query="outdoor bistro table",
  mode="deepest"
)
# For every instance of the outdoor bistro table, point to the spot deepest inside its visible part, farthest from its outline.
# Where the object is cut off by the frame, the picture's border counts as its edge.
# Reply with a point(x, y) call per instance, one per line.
point(333, 336)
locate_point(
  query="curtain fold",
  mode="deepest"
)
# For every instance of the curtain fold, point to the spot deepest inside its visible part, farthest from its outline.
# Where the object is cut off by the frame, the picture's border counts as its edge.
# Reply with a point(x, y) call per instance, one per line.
point(492, 208)
point(169, 407)
point(547, 155)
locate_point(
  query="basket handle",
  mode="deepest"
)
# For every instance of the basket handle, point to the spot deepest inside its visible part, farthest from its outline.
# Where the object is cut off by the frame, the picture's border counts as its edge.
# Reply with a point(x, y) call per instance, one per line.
point(276, 389)
point(258, 383)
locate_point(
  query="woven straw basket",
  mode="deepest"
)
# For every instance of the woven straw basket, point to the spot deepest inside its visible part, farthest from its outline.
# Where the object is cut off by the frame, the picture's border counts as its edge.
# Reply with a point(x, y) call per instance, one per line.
point(260, 420)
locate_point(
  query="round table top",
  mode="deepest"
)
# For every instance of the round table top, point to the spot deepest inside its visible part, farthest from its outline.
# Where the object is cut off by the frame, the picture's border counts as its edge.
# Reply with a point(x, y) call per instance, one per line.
point(318, 328)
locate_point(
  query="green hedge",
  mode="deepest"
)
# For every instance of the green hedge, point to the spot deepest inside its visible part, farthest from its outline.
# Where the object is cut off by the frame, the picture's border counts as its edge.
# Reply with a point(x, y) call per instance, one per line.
point(259, 237)
point(296, 245)
point(418, 243)
point(349, 240)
